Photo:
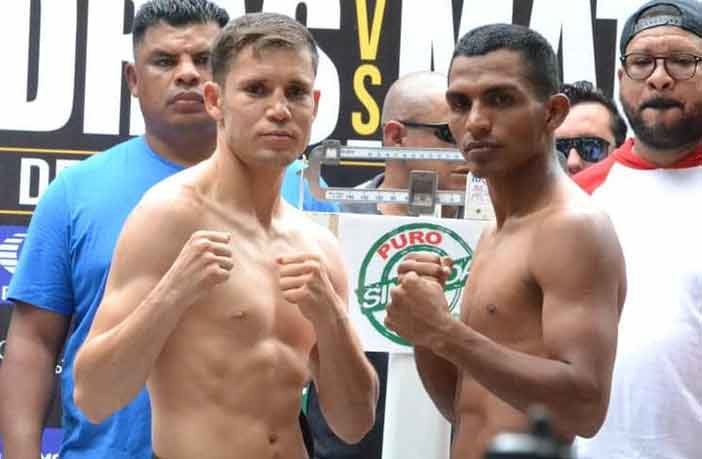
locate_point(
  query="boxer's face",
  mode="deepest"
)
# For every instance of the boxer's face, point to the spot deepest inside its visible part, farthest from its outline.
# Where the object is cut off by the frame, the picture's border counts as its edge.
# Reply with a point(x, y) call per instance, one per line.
point(171, 66)
point(266, 108)
point(496, 118)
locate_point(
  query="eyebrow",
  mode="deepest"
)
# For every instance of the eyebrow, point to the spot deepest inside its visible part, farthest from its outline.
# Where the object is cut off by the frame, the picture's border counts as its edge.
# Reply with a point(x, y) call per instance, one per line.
point(506, 87)
point(501, 88)
point(260, 79)
point(165, 52)
point(679, 49)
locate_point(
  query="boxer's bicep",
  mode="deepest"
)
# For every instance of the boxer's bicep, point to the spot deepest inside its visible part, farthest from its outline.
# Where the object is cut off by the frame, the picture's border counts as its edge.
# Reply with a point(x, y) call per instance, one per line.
point(580, 288)
point(138, 263)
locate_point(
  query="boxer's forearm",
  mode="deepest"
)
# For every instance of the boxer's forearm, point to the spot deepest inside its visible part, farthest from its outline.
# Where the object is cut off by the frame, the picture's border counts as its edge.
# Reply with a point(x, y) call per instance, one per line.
point(574, 399)
point(439, 378)
point(347, 383)
point(126, 353)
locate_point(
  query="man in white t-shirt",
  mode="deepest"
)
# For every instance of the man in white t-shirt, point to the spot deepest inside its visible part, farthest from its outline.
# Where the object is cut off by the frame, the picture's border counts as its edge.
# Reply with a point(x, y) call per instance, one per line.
point(652, 190)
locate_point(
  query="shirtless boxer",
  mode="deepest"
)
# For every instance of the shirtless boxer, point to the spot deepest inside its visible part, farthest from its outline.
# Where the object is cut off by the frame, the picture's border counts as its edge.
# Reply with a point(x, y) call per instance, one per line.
point(540, 311)
point(221, 298)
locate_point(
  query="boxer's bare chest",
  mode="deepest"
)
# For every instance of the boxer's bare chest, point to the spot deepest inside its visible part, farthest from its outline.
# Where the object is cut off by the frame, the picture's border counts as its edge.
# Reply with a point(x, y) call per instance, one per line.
point(502, 299)
point(249, 306)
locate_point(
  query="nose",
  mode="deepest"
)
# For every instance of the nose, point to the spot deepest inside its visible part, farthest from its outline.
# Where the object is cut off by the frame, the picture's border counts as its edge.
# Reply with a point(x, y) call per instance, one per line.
point(279, 109)
point(660, 79)
point(575, 162)
point(478, 122)
point(187, 73)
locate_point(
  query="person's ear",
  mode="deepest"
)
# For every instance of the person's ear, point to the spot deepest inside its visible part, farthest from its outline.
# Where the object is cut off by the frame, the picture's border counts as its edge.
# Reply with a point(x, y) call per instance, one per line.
point(130, 75)
point(620, 74)
point(557, 108)
point(212, 95)
point(393, 133)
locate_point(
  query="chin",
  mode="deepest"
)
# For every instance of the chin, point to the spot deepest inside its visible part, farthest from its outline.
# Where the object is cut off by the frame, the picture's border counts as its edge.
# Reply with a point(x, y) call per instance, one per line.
point(278, 158)
point(199, 121)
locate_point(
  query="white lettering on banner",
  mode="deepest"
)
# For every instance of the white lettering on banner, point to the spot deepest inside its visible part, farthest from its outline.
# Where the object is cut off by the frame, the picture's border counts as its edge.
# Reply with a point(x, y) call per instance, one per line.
point(30, 167)
point(5, 288)
point(569, 23)
point(53, 105)
point(48, 456)
point(136, 119)
point(321, 14)
point(39, 168)
point(2, 349)
point(107, 46)
point(478, 12)
point(427, 28)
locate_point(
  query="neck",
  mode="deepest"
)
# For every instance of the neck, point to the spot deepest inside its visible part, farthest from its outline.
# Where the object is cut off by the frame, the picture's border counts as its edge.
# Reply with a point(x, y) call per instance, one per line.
point(185, 147)
point(252, 189)
point(524, 190)
point(661, 158)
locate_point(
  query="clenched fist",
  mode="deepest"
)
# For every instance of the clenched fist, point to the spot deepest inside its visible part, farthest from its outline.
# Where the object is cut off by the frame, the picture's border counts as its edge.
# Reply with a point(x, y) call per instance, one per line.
point(428, 265)
point(418, 310)
point(204, 261)
point(305, 281)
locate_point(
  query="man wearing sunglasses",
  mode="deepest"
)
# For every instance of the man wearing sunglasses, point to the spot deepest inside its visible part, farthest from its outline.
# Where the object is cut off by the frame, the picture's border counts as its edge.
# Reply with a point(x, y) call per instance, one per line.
point(652, 188)
point(592, 129)
point(414, 114)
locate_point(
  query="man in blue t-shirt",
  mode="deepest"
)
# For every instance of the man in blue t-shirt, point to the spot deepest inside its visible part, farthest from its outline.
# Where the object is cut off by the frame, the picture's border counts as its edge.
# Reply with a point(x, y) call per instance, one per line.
point(65, 259)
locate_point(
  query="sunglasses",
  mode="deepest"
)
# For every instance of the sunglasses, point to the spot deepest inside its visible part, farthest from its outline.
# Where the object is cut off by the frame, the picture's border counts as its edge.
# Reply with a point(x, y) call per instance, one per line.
point(441, 130)
point(590, 149)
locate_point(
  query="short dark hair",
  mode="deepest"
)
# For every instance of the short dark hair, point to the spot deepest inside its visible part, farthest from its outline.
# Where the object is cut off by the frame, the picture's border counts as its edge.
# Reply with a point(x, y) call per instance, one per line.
point(261, 31)
point(584, 91)
point(537, 54)
point(175, 13)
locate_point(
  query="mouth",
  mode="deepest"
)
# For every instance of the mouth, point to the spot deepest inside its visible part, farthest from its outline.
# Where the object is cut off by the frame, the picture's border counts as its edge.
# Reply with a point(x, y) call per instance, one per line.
point(478, 150)
point(278, 139)
point(661, 104)
point(187, 98)
point(278, 134)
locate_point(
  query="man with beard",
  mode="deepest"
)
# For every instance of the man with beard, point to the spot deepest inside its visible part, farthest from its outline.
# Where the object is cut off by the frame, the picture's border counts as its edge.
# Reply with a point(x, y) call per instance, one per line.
point(652, 189)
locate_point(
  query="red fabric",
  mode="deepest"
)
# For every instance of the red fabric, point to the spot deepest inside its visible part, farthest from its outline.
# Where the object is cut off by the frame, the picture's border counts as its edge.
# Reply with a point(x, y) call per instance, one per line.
point(592, 177)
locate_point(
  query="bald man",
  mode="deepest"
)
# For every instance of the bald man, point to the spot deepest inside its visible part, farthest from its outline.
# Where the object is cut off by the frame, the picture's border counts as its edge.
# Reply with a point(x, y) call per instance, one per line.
point(414, 115)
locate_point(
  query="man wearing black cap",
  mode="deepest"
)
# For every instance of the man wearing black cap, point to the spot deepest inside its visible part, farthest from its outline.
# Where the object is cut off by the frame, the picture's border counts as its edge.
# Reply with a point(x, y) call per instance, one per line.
point(652, 189)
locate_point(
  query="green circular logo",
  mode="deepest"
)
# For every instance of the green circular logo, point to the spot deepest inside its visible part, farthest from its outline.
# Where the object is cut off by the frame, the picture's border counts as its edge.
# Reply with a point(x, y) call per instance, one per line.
point(378, 271)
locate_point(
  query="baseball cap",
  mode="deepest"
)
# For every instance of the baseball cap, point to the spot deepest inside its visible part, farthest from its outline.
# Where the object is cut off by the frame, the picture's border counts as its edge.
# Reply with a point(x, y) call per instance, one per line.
point(685, 14)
